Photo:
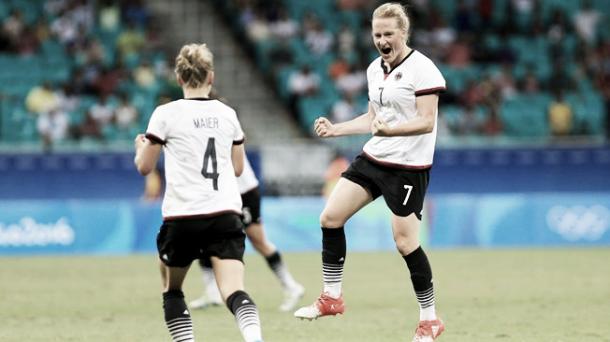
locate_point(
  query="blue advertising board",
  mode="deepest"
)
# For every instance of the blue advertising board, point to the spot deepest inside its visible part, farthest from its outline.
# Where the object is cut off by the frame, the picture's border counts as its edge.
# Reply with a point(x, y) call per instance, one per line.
point(130, 226)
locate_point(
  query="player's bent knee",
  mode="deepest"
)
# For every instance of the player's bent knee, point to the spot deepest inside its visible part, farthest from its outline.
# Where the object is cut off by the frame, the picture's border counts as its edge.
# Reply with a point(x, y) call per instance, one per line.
point(405, 245)
point(331, 221)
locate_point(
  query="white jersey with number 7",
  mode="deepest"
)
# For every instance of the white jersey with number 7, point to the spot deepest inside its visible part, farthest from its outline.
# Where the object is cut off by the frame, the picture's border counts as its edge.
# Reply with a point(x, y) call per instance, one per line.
point(197, 137)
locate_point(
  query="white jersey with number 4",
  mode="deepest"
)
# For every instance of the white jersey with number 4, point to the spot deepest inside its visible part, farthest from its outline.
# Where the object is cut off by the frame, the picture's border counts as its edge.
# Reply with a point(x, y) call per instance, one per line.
point(392, 94)
point(247, 181)
point(197, 137)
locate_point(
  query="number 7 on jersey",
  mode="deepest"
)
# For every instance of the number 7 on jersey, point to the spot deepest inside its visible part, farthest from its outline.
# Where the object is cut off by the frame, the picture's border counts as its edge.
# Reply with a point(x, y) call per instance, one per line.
point(210, 154)
point(409, 188)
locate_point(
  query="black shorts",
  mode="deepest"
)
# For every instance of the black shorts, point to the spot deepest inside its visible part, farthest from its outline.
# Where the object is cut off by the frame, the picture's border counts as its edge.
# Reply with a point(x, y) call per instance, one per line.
point(179, 242)
point(403, 190)
point(251, 207)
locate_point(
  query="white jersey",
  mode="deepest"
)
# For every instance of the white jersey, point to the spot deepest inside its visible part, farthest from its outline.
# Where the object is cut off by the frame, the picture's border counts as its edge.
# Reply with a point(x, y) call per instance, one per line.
point(247, 180)
point(392, 95)
point(197, 137)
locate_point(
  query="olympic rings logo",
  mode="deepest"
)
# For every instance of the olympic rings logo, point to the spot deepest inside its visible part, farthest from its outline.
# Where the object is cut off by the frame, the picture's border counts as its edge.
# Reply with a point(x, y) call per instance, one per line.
point(579, 222)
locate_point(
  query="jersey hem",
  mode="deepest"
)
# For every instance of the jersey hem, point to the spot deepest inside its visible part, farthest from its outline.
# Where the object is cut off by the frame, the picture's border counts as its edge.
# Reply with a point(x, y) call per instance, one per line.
point(200, 216)
point(395, 165)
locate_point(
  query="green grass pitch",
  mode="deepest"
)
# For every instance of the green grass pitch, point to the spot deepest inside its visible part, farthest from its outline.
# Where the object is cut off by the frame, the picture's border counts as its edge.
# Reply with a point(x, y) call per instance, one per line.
point(483, 295)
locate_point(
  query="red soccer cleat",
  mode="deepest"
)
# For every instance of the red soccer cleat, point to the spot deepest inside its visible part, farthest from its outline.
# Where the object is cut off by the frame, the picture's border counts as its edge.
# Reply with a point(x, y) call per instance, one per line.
point(324, 306)
point(428, 330)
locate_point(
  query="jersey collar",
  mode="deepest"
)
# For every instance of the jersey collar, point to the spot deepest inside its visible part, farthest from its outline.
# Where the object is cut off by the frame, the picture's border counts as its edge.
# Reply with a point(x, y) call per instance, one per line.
point(383, 67)
point(199, 98)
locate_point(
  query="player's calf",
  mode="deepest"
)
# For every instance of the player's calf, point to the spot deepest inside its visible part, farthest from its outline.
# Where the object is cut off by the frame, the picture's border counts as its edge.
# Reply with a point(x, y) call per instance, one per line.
point(177, 316)
point(246, 315)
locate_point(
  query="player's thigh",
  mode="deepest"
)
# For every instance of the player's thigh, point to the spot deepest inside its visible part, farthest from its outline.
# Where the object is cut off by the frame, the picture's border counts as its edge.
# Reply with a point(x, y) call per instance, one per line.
point(229, 275)
point(345, 200)
point(405, 230)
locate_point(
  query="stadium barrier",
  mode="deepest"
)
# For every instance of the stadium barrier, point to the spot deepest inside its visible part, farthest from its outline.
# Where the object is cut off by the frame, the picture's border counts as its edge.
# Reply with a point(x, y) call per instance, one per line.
point(129, 226)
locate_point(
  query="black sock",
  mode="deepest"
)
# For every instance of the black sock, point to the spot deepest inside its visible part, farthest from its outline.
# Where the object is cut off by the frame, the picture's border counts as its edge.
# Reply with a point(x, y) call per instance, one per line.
point(177, 316)
point(333, 255)
point(245, 311)
point(274, 260)
point(421, 277)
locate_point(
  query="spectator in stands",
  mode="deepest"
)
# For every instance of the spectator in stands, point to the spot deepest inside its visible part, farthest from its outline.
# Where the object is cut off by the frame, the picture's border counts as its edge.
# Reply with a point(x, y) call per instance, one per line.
point(53, 126)
point(353, 82)
point(338, 68)
point(470, 122)
point(109, 15)
point(505, 82)
point(560, 115)
point(345, 109)
point(586, 20)
point(65, 28)
point(333, 173)
point(493, 125)
point(88, 128)
point(130, 41)
point(346, 41)
point(109, 80)
point(42, 99)
point(395, 164)
point(144, 75)
point(303, 82)
point(13, 27)
point(257, 27)
point(317, 38)
point(284, 27)
point(28, 43)
point(458, 55)
point(102, 111)
point(126, 115)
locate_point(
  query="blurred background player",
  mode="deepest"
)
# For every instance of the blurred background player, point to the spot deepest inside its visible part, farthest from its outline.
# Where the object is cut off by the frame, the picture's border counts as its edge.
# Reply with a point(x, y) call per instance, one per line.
point(403, 106)
point(203, 144)
point(251, 216)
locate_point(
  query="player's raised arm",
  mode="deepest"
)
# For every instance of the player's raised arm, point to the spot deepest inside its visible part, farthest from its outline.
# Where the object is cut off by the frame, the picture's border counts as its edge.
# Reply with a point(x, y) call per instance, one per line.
point(359, 125)
point(423, 123)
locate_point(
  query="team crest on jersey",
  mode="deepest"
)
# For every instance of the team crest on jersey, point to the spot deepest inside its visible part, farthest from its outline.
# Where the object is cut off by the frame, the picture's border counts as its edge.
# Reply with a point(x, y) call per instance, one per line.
point(398, 76)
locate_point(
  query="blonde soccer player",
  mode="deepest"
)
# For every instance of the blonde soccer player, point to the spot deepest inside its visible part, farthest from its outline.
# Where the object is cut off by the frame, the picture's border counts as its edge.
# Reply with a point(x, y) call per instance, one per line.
point(202, 141)
point(403, 87)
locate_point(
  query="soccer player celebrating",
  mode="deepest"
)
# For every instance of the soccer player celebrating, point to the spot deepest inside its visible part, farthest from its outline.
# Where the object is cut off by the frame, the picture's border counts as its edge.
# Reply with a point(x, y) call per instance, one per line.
point(403, 87)
point(203, 144)
point(251, 199)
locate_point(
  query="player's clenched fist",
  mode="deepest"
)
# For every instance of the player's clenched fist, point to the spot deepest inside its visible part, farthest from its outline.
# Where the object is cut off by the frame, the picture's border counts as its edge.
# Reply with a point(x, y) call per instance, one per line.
point(323, 127)
point(380, 128)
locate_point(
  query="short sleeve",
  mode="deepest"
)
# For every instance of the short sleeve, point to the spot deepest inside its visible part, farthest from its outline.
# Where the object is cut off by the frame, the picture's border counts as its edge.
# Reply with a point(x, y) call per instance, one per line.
point(429, 80)
point(157, 127)
point(238, 137)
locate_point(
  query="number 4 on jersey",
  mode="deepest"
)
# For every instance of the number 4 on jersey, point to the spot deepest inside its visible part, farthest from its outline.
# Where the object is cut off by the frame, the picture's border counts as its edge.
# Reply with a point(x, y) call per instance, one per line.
point(210, 153)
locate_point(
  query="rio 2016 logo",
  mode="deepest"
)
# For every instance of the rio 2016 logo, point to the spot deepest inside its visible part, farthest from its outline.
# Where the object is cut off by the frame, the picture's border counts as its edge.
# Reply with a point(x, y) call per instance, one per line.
point(579, 222)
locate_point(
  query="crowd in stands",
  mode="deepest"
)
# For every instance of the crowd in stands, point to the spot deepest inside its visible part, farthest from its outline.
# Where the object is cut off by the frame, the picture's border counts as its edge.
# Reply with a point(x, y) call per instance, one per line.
point(76, 70)
point(81, 70)
point(516, 68)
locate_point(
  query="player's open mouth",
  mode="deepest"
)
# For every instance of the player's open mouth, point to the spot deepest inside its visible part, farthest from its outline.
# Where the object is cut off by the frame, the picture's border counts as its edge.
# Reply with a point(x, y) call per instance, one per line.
point(386, 50)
